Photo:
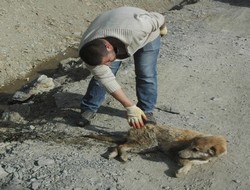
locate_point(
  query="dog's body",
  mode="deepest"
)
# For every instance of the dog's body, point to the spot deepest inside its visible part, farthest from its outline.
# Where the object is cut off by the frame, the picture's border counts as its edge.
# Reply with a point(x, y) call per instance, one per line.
point(188, 146)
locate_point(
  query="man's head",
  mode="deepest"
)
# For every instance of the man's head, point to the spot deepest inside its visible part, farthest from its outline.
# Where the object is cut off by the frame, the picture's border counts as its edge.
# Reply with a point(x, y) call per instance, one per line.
point(98, 51)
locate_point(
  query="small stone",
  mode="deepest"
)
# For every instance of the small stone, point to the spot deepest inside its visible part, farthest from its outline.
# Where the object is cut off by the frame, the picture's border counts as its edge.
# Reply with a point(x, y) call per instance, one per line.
point(32, 127)
point(213, 98)
point(44, 162)
point(236, 181)
point(35, 185)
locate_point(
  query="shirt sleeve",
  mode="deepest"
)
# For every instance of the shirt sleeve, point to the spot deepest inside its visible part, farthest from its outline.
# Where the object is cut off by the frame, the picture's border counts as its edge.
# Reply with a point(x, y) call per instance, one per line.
point(104, 75)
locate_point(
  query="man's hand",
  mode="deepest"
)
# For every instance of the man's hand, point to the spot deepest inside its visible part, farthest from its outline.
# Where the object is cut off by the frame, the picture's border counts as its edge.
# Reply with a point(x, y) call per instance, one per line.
point(135, 116)
point(163, 30)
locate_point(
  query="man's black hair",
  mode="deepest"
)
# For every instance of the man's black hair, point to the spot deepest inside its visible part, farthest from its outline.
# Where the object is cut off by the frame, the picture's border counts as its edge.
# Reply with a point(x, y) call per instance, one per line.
point(93, 52)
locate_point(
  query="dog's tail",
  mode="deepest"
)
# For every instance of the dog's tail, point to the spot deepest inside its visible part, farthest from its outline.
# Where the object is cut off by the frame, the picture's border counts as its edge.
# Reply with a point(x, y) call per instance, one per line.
point(118, 139)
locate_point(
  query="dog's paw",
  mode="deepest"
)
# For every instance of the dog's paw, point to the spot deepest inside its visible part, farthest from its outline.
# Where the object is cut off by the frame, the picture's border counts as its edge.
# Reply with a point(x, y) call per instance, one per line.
point(182, 171)
point(124, 157)
point(113, 154)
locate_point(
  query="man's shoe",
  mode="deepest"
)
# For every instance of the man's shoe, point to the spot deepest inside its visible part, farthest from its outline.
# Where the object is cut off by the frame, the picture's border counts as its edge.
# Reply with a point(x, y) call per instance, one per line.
point(85, 118)
point(151, 118)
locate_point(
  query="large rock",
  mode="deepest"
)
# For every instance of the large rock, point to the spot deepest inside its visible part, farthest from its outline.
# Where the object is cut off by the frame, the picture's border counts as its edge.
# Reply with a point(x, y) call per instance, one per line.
point(40, 85)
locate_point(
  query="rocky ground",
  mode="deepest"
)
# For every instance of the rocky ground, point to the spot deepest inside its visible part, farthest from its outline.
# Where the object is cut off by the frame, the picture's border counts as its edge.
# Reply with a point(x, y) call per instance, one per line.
point(203, 77)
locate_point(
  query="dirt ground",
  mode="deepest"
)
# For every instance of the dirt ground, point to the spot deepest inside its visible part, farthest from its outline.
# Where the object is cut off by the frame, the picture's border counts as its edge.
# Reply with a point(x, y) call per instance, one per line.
point(203, 73)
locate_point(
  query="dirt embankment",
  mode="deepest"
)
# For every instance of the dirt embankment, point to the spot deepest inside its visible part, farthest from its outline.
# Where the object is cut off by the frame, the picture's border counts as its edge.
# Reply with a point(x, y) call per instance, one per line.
point(35, 31)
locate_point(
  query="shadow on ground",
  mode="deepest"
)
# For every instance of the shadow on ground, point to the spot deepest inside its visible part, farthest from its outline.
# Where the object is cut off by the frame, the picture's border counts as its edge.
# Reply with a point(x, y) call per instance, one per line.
point(241, 3)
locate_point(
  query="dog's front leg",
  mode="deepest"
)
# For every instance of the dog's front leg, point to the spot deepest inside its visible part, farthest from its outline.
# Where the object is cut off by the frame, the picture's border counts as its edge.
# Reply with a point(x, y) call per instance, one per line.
point(186, 166)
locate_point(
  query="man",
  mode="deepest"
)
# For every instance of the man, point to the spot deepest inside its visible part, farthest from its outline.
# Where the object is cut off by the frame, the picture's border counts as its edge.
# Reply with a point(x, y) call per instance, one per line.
point(113, 36)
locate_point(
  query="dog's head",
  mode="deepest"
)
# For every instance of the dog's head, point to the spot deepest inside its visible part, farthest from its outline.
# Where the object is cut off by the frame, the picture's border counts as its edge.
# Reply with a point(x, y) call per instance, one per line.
point(205, 147)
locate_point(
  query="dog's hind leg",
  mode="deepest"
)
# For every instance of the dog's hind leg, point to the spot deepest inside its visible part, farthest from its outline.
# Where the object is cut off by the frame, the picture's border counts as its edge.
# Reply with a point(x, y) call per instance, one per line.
point(120, 151)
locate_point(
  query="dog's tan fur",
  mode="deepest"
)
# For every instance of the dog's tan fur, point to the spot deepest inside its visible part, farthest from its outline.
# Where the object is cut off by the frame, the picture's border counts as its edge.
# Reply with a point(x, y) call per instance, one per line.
point(188, 146)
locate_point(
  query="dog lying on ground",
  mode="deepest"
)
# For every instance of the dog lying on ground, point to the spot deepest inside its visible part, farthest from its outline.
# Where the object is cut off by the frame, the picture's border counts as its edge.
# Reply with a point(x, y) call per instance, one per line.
point(187, 146)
